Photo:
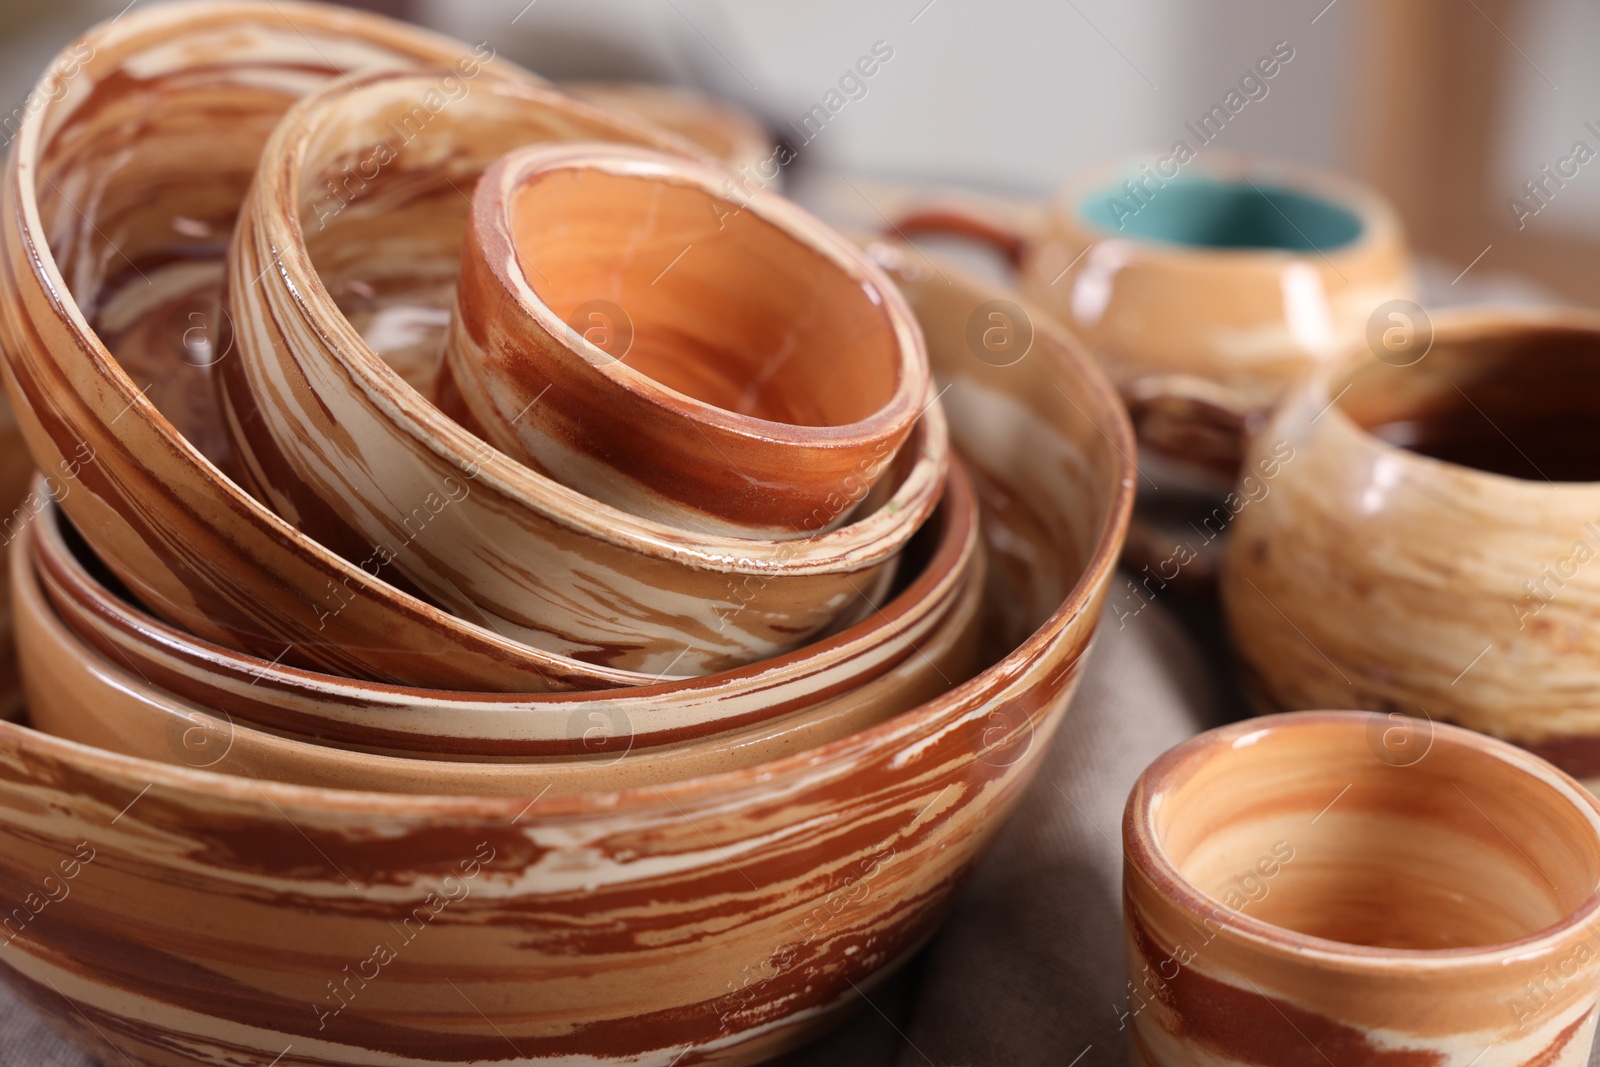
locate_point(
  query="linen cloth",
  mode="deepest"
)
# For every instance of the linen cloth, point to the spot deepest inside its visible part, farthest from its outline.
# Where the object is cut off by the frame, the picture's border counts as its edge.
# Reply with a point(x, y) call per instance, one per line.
point(1029, 968)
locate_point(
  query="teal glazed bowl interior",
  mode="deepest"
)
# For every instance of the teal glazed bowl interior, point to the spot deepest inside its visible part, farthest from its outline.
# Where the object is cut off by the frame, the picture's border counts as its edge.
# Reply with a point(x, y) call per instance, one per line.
point(1213, 213)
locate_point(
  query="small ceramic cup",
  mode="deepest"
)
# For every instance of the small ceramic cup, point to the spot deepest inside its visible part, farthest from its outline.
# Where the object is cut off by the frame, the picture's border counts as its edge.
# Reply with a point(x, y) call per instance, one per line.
point(629, 324)
point(1294, 894)
point(1426, 541)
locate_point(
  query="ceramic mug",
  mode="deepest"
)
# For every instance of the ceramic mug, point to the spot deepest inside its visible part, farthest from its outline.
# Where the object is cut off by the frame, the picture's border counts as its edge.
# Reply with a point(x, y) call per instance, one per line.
point(1294, 894)
point(1425, 546)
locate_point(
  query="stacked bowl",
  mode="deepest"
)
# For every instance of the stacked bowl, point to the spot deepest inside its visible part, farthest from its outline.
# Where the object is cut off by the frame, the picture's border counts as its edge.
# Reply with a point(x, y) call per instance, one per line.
point(619, 655)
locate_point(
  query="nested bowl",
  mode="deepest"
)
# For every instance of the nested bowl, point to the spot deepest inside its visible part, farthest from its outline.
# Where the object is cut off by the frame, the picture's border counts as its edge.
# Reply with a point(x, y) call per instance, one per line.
point(944, 567)
point(1426, 545)
point(714, 360)
point(112, 332)
point(335, 437)
point(726, 918)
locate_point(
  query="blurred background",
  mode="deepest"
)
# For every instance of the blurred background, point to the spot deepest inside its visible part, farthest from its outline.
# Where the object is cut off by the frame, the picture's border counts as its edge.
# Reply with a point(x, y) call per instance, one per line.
point(1449, 106)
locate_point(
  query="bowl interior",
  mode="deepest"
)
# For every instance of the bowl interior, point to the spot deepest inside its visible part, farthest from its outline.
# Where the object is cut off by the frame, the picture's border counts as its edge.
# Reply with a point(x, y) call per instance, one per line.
point(1206, 212)
point(719, 302)
point(1304, 827)
point(1515, 399)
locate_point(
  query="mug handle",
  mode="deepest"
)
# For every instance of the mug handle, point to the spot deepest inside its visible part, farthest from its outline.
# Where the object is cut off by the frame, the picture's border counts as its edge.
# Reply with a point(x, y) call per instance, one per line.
point(961, 220)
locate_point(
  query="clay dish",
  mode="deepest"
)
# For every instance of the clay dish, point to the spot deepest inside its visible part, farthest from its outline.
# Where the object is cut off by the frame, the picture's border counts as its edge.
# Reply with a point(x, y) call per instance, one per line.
point(1204, 287)
point(729, 133)
point(735, 369)
point(141, 438)
point(1290, 887)
point(942, 562)
point(1429, 539)
point(332, 435)
point(729, 916)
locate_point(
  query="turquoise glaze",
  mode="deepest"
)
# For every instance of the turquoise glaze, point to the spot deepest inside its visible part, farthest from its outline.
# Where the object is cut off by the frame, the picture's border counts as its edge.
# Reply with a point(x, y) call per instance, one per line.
point(1207, 213)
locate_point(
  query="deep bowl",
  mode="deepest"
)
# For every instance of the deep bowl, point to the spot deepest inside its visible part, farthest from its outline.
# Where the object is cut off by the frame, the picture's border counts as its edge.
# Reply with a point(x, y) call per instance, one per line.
point(727, 917)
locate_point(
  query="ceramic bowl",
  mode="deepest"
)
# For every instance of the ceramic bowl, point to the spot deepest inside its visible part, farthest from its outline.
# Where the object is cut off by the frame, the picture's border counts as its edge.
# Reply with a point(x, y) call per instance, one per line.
point(1425, 546)
point(942, 563)
point(1205, 284)
point(728, 917)
point(1290, 889)
point(739, 370)
point(87, 343)
point(333, 436)
point(729, 133)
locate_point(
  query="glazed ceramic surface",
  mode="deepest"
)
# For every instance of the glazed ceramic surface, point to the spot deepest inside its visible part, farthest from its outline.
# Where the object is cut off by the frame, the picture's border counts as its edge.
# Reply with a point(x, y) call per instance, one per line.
point(140, 130)
point(313, 408)
point(945, 570)
point(214, 919)
point(1425, 545)
point(1298, 890)
point(738, 368)
point(729, 134)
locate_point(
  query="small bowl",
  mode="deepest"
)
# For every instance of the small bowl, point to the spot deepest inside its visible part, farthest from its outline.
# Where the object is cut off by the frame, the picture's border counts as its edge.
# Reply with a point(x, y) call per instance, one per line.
point(729, 133)
point(168, 177)
point(731, 916)
point(947, 557)
point(313, 408)
point(1291, 889)
point(737, 371)
point(1423, 545)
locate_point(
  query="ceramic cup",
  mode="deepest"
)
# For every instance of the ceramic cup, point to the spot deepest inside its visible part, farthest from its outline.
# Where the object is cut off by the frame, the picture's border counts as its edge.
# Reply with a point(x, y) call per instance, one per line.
point(310, 403)
point(731, 372)
point(1294, 895)
point(137, 429)
point(729, 133)
point(1425, 545)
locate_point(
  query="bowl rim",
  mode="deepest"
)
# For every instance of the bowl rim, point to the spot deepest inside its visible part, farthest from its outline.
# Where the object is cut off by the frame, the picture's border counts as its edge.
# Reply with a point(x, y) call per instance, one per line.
point(1102, 410)
point(493, 204)
point(859, 543)
point(1146, 857)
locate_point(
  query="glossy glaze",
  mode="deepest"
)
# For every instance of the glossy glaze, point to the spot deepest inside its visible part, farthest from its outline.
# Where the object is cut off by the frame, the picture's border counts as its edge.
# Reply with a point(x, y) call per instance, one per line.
point(1373, 575)
point(425, 722)
point(311, 404)
point(1289, 891)
point(165, 123)
point(737, 368)
point(723, 919)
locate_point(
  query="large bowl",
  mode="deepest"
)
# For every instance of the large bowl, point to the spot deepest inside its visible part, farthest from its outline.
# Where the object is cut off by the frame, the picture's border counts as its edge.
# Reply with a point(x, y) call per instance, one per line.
point(335, 437)
point(156, 143)
point(244, 689)
point(720, 919)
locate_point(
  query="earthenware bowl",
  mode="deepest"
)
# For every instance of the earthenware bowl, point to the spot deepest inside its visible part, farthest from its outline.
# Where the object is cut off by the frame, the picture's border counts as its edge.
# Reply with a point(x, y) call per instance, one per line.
point(727, 917)
point(1291, 889)
point(312, 408)
point(738, 369)
point(1427, 545)
point(729, 133)
point(1204, 284)
point(87, 343)
point(941, 564)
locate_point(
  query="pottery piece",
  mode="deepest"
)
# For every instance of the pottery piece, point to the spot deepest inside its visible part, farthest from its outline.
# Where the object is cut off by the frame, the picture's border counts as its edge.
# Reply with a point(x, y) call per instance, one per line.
point(729, 133)
point(1425, 547)
point(728, 917)
point(945, 560)
point(1294, 893)
point(313, 409)
point(1205, 285)
point(736, 369)
point(167, 177)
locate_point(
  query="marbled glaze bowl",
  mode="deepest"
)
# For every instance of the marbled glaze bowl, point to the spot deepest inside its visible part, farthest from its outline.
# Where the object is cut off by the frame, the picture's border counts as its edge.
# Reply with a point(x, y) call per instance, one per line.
point(110, 376)
point(1290, 888)
point(729, 133)
point(719, 362)
point(311, 406)
point(723, 918)
point(1426, 545)
point(944, 567)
